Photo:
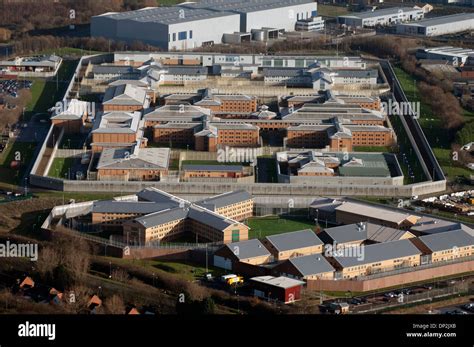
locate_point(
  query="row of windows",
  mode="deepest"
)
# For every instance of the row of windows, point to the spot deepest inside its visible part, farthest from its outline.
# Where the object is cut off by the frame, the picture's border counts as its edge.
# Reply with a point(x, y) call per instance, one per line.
point(182, 35)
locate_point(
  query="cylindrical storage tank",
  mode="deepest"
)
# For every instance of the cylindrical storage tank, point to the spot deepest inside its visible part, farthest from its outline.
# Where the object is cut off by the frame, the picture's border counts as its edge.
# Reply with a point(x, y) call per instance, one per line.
point(258, 35)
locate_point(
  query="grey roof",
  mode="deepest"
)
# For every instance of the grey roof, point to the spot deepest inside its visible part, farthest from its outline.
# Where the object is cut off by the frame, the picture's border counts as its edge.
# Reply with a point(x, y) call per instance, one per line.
point(294, 240)
point(430, 225)
point(347, 233)
point(209, 218)
point(186, 70)
point(248, 249)
point(450, 239)
point(379, 233)
point(311, 264)
point(380, 13)
point(161, 217)
point(112, 69)
point(155, 195)
point(233, 168)
point(380, 252)
point(202, 10)
point(142, 158)
point(142, 207)
point(427, 22)
point(369, 211)
point(357, 73)
point(125, 94)
point(284, 72)
point(225, 199)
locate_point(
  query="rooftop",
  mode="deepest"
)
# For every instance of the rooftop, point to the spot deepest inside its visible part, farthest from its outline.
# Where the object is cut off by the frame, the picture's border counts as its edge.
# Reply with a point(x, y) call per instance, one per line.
point(311, 264)
point(280, 282)
point(447, 240)
point(248, 249)
point(294, 240)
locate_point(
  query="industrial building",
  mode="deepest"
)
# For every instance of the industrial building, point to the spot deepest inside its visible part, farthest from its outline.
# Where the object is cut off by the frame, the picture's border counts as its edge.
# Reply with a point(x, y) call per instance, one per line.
point(438, 25)
point(190, 25)
point(382, 17)
point(454, 55)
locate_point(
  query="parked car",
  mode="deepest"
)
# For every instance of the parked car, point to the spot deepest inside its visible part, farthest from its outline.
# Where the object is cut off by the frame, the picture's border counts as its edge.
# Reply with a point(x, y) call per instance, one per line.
point(468, 307)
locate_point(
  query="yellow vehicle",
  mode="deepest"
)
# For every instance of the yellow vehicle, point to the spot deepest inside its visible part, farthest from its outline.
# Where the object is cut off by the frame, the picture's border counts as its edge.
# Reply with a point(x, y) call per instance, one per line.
point(235, 280)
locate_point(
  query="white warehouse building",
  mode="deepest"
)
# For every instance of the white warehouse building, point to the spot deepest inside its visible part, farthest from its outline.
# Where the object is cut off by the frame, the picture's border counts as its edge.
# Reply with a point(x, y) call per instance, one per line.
point(195, 24)
point(383, 17)
point(439, 25)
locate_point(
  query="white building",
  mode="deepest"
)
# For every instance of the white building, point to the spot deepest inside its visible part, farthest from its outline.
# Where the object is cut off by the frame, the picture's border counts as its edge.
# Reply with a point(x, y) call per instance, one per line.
point(439, 25)
point(454, 55)
point(194, 24)
point(383, 17)
point(312, 24)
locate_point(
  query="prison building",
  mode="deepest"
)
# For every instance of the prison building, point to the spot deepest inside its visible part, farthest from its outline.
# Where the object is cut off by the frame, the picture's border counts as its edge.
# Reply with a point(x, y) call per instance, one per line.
point(351, 212)
point(117, 130)
point(283, 289)
point(190, 171)
point(293, 244)
point(173, 134)
point(217, 135)
point(181, 99)
point(111, 73)
point(73, 118)
point(237, 205)
point(133, 164)
point(223, 104)
point(445, 246)
point(175, 114)
point(308, 267)
point(251, 252)
point(376, 258)
point(125, 97)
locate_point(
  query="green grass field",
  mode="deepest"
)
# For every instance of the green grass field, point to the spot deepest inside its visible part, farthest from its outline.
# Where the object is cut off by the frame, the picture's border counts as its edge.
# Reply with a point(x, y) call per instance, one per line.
point(264, 226)
point(439, 139)
point(383, 149)
point(25, 150)
point(60, 166)
point(332, 11)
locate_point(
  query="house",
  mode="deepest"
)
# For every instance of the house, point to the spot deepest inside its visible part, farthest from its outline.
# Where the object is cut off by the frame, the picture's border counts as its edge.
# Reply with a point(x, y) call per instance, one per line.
point(293, 244)
point(283, 289)
point(313, 266)
point(250, 251)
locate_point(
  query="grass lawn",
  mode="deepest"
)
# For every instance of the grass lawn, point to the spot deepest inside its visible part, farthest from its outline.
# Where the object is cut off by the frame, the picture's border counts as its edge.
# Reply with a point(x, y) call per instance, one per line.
point(264, 226)
point(188, 271)
point(385, 149)
point(439, 139)
point(26, 150)
point(60, 166)
point(45, 94)
point(174, 164)
point(332, 11)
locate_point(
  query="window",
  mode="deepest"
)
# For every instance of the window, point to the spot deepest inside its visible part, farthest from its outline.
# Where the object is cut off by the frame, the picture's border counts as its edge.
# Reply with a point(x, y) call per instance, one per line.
point(235, 235)
point(182, 35)
point(174, 36)
point(190, 34)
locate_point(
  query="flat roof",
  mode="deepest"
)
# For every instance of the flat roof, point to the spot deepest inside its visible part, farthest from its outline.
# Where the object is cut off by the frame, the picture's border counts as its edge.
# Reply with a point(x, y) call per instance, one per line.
point(280, 282)
point(451, 19)
point(381, 12)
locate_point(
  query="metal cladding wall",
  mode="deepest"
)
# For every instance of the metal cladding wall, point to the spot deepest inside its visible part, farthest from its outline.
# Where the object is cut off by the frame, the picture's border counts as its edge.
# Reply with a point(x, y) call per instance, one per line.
point(278, 18)
point(204, 30)
point(103, 26)
point(149, 32)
